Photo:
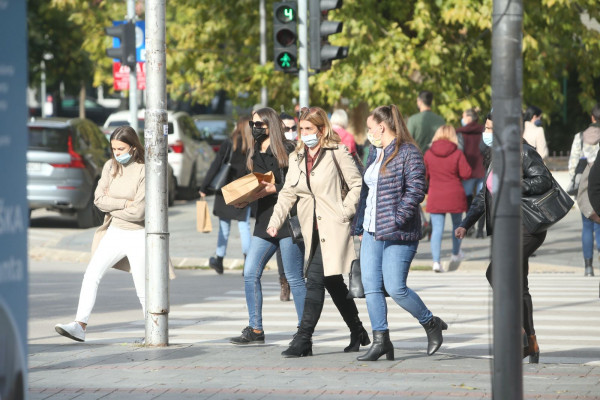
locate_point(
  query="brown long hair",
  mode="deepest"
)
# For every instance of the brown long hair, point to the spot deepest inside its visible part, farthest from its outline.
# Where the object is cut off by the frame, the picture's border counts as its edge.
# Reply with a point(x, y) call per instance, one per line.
point(242, 131)
point(318, 117)
point(391, 116)
point(127, 134)
point(276, 134)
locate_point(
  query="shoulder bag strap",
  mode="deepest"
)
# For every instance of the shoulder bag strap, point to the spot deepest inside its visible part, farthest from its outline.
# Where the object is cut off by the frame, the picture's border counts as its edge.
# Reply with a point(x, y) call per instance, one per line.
point(339, 170)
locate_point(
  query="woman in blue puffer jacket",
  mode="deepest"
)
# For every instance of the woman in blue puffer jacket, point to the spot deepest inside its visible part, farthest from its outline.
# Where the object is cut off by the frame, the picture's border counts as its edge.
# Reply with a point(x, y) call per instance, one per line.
point(389, 223)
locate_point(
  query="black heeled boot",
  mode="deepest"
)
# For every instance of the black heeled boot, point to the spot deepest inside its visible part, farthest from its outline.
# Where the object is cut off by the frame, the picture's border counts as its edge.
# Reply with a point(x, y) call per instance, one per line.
point(216, 263)
point(589, 268)
point(338, 291)
point(434, 329)
point(381, 345)
point(301, 345)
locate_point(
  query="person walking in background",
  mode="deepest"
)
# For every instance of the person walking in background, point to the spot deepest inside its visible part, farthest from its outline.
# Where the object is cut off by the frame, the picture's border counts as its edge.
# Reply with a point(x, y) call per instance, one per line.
point(535, 180)
point(291, 127)
point(422, 126)
point(317, 169)
point(339, 122)
point(446, 165)
point(389, 222)
point(121, 240)
point(585, 145)
point(533, 133)
point(233, 150)
point(470, 131)
point(268, 153)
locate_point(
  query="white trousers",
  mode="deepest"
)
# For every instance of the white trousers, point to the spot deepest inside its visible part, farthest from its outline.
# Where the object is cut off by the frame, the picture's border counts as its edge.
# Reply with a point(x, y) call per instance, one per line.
point(116, 244)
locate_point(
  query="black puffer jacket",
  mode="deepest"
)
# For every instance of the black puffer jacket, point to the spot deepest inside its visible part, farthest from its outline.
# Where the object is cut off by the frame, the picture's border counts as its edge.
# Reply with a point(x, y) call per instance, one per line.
point(535, 179)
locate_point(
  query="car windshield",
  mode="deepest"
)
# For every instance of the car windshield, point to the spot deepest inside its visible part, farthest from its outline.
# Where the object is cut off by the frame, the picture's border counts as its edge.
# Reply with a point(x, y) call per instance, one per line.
point(48, 139)
point(212, 128)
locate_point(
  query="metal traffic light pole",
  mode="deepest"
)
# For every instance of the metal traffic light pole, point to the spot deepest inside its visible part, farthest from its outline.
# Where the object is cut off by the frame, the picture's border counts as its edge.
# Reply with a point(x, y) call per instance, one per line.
point(303, 52)
point(132, 74)
point(155, 135)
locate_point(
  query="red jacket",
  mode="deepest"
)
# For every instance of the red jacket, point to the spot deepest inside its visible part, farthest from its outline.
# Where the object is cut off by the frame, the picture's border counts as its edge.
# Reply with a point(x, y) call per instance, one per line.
point(471, 134)
point(446, 167)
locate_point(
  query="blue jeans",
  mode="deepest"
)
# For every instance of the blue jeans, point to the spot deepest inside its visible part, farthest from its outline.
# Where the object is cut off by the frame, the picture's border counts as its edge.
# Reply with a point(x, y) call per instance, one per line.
point(261, 251)
point(472, 183)
point(224, 227)
point(386, 263)
point(437, 231)
point(588, 231)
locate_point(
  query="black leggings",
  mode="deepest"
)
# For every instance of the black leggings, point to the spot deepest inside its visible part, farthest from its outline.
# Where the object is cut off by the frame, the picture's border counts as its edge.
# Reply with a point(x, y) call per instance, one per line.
point(531, 242)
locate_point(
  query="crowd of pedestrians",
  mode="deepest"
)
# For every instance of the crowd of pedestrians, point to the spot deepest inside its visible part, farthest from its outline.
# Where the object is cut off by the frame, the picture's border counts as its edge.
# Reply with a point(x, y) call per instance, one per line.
point(320, 181)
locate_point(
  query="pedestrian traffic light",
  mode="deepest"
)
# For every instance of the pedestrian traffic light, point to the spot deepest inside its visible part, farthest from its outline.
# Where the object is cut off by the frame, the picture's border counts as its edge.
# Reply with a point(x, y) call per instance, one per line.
point(321, 52)
point(285, 35)
point(126, 52)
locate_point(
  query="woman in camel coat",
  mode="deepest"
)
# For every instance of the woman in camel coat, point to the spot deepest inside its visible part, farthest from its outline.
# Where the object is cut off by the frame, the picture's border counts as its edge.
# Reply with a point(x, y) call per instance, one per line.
point(314, 180)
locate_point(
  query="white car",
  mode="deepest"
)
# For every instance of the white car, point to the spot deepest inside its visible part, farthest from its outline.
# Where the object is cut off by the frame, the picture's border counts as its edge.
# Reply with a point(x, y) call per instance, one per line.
point(189, 155)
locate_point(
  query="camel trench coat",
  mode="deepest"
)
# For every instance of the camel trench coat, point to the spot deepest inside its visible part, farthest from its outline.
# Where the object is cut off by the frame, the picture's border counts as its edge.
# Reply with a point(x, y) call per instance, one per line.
point(321, 199)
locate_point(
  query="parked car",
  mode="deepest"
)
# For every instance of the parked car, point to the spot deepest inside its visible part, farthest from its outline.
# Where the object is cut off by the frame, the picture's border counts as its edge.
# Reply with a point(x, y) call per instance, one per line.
point(189, 153)
point(216, 128)
point(64, 163)
point(93, 111)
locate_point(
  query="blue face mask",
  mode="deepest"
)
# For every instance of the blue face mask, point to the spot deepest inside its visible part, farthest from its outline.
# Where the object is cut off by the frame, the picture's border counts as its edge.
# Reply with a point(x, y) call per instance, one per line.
point(123, 158)
point(538, 122)
point(463, 122)
point(310, 140)
point(488, 138)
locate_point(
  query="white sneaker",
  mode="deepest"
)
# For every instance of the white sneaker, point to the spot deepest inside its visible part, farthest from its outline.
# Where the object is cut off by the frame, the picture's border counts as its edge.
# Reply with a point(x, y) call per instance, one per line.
point(437, 267)
point(72, 331)
point(455, 261)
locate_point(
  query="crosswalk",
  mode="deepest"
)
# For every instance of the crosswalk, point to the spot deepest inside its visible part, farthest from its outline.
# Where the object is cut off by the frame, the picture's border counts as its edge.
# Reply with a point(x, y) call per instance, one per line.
point(566, 316)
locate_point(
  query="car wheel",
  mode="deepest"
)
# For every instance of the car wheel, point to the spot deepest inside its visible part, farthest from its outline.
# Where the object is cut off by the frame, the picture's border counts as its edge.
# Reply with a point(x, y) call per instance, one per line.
point(85, 216)
point(172, 189)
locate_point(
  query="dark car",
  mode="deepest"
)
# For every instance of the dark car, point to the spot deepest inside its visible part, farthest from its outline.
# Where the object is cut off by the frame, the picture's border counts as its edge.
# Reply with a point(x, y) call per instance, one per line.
point(64, 163)
point(93, 111)
point(215, 128)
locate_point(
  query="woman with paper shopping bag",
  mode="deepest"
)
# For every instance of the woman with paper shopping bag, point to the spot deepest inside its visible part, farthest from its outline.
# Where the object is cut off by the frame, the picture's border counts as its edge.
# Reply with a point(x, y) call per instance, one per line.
point(268, 154)
point(325, 182)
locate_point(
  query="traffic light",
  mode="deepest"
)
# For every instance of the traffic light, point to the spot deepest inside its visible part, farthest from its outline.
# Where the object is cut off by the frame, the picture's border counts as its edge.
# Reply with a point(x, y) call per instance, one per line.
point(321, 52)
point(126, 34)
point(285, 35)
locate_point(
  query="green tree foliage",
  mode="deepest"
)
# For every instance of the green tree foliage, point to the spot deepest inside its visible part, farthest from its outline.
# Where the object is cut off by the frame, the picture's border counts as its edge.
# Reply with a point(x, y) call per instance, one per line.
point(397, 48)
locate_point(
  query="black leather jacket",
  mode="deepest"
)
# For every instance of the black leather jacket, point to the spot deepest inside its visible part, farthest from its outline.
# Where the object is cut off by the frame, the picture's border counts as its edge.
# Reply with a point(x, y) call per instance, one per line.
point(535, 179)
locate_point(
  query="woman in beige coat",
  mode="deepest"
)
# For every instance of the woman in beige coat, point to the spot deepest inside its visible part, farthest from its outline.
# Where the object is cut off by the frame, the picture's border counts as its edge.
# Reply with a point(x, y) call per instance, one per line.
point(316, 171)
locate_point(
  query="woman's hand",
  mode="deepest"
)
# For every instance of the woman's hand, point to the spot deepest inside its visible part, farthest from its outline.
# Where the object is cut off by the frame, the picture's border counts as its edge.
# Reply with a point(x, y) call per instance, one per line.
point(128, 203)
point(268, 188)
point(241, 205)
point(594, 217)
point(202, 194)
point(272, 231)
point(460, 232)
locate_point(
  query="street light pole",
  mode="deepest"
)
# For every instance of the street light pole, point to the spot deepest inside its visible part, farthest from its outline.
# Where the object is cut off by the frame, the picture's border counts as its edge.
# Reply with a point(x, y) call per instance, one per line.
point(43, 89)
point(507, 247)
point(263, 48)
point(132, 75)
point(303, 52)
point(155, 136)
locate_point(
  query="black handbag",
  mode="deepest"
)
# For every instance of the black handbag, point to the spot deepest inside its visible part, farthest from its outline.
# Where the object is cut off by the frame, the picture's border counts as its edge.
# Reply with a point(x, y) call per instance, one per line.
point(355, 285)
point(221, 177)
point(295, 231)
point(542, 211)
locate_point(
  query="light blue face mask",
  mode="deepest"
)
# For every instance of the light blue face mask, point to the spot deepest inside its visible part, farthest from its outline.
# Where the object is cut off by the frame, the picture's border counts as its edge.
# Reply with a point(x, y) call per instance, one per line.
point(463, 121)
point(488, 138)
point(123, 158)
point(310, 140)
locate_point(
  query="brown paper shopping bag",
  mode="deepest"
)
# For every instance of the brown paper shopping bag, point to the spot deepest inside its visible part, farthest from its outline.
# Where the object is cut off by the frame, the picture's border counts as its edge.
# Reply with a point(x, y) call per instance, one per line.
point(242, 190)
point(203, 223)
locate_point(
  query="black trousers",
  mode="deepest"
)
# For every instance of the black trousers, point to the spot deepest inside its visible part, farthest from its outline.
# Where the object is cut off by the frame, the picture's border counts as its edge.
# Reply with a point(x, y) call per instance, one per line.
point(316, 283)
point(531, 242)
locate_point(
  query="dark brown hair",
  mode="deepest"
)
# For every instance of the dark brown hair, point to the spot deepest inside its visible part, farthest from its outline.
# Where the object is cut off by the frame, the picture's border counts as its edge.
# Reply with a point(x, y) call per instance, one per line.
point(242, 131)
point(276, 135)
point(127, 134)
point(390, 115)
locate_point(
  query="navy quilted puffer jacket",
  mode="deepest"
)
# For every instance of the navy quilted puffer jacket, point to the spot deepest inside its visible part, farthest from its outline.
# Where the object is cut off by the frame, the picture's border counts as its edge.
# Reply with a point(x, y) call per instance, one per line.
point(400, 190)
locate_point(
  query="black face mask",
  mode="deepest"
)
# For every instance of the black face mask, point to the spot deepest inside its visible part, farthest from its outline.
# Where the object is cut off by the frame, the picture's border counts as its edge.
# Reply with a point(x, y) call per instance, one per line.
point(259, 134)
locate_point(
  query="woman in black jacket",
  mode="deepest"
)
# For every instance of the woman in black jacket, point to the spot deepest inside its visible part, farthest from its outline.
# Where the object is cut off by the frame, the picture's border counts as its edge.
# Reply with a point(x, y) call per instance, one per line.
point(233, 149)
point(269, 152)
point(535, 180)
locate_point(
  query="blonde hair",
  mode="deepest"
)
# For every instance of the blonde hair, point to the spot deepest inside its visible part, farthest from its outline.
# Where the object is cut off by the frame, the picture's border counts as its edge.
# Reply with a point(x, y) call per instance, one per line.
point(445, 132)
point(318, 117)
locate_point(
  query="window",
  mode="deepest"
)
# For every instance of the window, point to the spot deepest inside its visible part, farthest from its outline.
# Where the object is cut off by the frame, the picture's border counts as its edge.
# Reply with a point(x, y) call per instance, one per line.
point(49, 139)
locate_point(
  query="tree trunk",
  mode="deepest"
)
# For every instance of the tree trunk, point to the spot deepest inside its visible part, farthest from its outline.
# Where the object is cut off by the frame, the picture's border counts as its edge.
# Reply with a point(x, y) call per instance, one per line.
point(82, 101)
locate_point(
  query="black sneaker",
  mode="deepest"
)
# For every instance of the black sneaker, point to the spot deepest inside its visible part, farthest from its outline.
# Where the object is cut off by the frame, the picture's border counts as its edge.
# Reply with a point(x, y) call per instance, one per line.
point(248, 336)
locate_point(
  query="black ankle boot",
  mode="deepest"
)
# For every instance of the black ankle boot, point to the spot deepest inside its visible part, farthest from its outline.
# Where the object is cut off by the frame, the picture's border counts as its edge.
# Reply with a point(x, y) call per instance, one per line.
point(216, 263)
point(381, 345)
point(301, 346)
point(589, 269)
point(434, 329)
point(358, 337)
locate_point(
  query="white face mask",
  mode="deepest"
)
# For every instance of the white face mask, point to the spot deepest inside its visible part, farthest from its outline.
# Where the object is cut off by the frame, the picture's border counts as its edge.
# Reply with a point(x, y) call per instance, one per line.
point(310, 140)
point(293, 135)
point(488, 138)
